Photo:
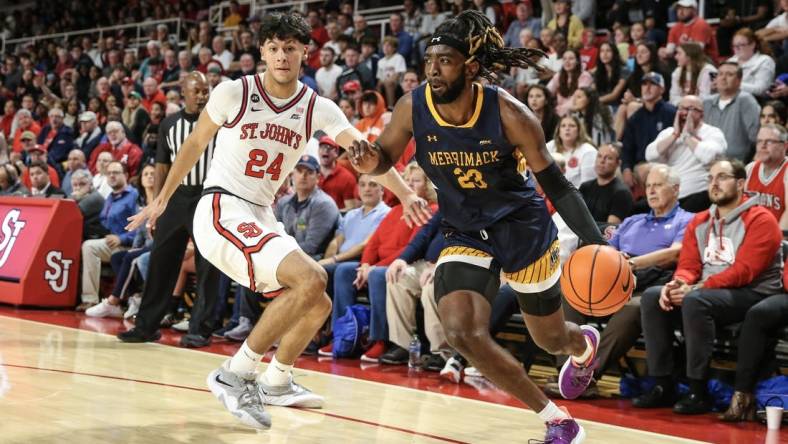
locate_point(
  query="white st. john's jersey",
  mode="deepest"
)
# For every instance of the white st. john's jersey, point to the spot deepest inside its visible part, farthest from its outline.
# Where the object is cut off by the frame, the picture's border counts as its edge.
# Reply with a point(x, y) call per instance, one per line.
point(262, 138)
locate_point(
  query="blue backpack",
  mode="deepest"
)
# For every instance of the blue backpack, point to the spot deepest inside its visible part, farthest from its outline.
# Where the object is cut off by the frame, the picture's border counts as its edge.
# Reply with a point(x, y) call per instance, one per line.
point(351, 332)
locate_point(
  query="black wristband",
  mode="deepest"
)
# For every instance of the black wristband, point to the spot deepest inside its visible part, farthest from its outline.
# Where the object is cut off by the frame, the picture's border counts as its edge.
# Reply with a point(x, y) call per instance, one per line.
point(569, 204)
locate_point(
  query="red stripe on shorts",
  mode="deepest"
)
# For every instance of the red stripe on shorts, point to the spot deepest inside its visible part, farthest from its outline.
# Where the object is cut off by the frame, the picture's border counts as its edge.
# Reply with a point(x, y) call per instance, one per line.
point(247, 251)
point(273, 294)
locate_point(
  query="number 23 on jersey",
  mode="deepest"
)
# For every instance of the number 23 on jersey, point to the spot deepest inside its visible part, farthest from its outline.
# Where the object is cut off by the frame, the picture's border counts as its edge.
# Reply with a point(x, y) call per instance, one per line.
point(471, 178)
point(256, 166)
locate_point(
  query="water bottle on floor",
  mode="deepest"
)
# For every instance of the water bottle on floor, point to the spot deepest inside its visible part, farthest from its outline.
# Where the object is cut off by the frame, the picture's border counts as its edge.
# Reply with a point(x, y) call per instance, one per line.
point(414, 351)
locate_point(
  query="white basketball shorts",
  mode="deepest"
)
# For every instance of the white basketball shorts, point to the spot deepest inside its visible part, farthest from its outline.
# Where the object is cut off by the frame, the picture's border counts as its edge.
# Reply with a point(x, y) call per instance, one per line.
point(243, 240)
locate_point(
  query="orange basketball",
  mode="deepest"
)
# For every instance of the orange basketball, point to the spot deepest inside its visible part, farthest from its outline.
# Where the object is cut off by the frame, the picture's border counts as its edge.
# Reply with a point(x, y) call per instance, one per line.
point(597, 280)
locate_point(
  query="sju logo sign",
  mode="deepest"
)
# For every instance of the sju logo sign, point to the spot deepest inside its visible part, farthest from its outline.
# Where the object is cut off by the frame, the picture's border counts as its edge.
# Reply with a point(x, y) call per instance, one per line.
point(9, 231)
point(56, 273)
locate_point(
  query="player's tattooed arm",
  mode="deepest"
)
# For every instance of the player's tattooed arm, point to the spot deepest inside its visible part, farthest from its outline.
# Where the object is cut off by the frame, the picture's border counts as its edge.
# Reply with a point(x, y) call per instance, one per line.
point(378, 157)
point(522, 129)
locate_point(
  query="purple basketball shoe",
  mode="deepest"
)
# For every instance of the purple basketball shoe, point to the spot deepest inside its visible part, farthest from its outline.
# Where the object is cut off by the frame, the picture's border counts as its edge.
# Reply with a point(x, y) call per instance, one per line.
point(562, 431)
point(573, 379)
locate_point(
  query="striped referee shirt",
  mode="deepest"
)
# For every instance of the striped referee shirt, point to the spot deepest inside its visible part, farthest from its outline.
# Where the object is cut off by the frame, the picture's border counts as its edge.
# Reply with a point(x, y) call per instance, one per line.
point(173, 130)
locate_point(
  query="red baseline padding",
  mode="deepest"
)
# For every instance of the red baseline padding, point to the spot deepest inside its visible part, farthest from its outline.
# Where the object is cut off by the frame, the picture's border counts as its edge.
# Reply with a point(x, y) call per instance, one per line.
point(40, 242)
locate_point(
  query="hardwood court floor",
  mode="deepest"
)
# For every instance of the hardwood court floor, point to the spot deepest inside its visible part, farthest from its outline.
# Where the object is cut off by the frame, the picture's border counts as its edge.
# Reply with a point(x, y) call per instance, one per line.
point(60, 384)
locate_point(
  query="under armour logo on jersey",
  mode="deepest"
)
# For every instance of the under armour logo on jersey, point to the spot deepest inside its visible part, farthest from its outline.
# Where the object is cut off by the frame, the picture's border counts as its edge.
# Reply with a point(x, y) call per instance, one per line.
point(249, 230)
point(432, 138)
point(255, 98)
point(435, 39)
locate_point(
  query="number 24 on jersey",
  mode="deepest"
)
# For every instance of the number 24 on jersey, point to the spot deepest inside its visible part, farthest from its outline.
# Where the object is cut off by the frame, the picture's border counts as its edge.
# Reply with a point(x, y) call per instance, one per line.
point(256, 166)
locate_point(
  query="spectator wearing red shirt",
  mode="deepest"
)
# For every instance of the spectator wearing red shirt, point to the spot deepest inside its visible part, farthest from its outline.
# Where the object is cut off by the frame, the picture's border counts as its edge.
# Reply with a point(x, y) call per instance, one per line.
point(319, 33)
point(767, 180)
point(152, 93)
point(9, 111)
point(336, 180)
point(588, 53)
point(64, 62)
point(690, 28)
point(385, 245)
point(730, 260)
point(36, 153)
point(25, 122)
point(121, 148)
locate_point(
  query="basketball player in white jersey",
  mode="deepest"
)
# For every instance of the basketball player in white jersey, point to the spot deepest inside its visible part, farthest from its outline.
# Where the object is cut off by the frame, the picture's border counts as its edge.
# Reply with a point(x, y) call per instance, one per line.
point(264, 122)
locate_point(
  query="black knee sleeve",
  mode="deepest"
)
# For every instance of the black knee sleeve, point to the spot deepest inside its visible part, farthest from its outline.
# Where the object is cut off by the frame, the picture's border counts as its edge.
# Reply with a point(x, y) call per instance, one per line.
point(542, 303)
point(459, 276)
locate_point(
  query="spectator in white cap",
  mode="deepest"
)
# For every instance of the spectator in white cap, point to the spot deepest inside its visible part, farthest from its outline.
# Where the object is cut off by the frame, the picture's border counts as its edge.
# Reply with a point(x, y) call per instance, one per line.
point(690, 28)
point(90, 133)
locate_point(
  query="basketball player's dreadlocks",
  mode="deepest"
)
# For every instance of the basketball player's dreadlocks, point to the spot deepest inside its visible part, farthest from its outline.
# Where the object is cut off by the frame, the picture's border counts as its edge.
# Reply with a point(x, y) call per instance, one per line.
point(472, 33)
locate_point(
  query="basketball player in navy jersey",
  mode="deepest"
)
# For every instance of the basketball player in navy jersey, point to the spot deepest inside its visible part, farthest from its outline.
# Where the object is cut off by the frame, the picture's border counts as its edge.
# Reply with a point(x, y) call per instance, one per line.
point(469, 138)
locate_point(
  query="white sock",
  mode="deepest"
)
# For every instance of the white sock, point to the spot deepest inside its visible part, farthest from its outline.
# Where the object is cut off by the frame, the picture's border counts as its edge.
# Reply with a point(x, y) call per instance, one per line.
point(277, 373)
point(244, 361)
point(582, 359)
point(552, 412)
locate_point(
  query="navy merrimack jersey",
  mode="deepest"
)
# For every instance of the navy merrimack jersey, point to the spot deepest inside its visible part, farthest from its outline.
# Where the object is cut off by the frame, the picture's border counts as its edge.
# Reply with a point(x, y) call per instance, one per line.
point(493, 216)
point(472, 165)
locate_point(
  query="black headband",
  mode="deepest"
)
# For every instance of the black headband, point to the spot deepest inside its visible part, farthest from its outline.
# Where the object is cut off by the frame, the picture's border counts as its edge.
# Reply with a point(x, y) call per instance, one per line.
point(444, 39)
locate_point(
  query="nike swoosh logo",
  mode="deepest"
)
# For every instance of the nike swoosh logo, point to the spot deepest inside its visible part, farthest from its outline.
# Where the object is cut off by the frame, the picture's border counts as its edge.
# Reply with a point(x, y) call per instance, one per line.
point(219, 380)
point(625, 285)
point(255, 110)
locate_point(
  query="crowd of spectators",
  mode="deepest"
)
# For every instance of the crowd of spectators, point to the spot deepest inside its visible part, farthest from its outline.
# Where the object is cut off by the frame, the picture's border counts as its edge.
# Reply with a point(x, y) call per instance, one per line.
point(638, 115)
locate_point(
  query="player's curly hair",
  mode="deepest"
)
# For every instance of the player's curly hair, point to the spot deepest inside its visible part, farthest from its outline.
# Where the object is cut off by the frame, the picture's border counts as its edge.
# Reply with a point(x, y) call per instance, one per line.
point(486, 46)
point(284, 26)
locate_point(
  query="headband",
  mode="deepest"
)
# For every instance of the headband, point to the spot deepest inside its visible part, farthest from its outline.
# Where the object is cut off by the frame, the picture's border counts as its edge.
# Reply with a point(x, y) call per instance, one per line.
point(445, 39)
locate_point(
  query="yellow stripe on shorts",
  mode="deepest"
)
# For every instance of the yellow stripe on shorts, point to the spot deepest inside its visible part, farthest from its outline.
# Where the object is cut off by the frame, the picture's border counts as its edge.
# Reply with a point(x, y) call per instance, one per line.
point(463, 251)
point(540, 270)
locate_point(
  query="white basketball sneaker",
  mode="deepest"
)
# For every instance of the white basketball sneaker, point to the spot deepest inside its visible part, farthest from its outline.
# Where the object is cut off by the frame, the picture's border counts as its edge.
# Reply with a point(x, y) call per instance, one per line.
point(104, 310)
point(134, 307)
point(291, 394)
point(240, 397)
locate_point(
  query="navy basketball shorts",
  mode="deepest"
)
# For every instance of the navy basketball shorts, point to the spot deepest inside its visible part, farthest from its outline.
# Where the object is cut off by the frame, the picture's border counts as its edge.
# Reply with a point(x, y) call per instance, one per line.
point(522, 250)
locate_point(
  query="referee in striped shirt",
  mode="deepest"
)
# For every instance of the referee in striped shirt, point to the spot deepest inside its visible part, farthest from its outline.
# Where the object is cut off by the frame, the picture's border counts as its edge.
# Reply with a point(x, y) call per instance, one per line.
point(174, 228)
